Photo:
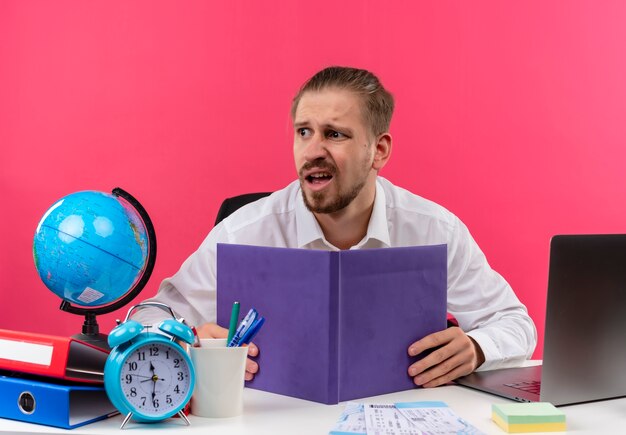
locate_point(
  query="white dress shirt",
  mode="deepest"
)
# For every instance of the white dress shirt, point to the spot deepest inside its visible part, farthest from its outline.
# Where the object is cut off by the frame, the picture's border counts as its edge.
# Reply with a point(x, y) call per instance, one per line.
point(478, 297)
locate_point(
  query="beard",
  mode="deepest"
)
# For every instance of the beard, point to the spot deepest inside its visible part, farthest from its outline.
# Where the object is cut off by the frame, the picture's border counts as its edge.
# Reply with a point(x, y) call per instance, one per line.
point(341, 201)
point(322, 202)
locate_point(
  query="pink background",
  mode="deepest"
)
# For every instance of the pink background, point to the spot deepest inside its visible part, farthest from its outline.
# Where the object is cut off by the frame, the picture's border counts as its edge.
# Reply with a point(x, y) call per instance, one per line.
point(511, 114)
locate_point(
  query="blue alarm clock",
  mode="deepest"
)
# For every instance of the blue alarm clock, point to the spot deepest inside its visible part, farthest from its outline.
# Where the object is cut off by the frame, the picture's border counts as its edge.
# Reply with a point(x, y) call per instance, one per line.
point(148, 376)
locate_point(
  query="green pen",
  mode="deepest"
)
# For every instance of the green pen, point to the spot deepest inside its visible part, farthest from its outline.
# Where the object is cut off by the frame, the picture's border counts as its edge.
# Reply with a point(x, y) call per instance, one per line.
point(234, 319)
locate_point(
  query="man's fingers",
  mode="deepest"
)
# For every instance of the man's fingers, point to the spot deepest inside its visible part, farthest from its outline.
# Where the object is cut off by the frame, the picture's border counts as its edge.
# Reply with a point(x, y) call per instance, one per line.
point(449, 348)
point(432, 360)
point(253, 350)
point(435, 371)
point(435, 339)
point(251, 366)
point(449, 376)
point(457, 357)
point(212, 330)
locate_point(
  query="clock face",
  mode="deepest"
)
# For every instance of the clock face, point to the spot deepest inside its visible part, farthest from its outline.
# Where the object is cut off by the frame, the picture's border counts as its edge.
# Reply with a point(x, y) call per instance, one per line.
point(155, 379)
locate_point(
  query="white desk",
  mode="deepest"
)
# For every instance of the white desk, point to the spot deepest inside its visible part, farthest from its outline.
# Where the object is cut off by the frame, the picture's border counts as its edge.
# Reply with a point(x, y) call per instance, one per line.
point(266, 413)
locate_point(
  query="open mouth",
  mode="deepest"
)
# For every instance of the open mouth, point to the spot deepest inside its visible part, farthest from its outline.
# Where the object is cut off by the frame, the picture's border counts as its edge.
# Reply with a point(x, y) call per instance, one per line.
point(319, 178)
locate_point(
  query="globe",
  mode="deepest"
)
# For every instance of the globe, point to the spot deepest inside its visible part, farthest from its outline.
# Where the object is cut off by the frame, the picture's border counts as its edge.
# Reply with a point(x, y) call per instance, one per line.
point(91, 248)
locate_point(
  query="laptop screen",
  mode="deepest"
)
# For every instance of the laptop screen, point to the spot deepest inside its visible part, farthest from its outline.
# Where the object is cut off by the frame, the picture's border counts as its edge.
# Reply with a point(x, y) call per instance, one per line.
point(584, 355)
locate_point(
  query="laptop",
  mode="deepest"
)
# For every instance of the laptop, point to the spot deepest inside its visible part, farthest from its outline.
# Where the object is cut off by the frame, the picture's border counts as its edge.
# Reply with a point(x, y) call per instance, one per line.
point(584, 354)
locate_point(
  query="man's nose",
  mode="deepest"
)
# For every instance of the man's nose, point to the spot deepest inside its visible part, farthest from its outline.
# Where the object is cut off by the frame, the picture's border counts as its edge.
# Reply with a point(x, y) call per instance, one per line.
point(315, 149)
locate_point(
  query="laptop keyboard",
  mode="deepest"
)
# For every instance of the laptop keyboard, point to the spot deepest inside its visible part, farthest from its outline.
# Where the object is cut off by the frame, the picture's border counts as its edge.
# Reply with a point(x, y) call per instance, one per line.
point(530, 387)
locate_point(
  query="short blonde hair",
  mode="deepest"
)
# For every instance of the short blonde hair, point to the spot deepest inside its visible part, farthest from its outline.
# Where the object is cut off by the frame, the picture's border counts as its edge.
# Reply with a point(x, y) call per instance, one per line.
point(378, 101)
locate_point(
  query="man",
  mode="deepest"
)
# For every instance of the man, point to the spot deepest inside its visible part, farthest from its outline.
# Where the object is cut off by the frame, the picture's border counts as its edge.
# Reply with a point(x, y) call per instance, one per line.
point(341, 120)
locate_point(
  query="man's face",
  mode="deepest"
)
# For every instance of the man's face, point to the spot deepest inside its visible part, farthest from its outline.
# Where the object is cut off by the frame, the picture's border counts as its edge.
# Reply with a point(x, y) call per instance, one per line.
point(333, 149)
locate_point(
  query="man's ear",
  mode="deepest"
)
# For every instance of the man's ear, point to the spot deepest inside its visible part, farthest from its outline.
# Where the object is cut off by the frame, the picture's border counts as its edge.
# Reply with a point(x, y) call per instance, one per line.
point(382, 151)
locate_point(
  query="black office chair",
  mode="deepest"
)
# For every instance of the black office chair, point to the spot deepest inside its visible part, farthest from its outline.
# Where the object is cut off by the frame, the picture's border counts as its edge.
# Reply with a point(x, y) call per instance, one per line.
point(229, 205)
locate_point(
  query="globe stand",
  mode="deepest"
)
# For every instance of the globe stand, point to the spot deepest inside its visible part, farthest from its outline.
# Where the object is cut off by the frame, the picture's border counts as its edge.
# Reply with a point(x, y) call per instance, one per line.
point(91, 331)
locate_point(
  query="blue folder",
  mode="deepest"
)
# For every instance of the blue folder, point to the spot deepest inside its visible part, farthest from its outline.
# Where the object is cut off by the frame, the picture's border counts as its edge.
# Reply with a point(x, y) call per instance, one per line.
point(52, 403)
point(338, 324)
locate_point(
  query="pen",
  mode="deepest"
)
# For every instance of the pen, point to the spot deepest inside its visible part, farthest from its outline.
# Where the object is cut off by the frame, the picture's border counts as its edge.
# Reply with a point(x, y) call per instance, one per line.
point(196, 339)
point(252, 331)
point(243, 327)
point(234, 319)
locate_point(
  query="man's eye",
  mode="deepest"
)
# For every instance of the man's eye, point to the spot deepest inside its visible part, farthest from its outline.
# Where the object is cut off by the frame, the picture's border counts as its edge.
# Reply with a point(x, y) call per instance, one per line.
point(335, 135)
point(304, 132)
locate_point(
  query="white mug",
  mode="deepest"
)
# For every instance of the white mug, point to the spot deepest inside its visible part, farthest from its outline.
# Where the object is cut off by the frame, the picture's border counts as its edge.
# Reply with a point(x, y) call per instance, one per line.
point(220, 376)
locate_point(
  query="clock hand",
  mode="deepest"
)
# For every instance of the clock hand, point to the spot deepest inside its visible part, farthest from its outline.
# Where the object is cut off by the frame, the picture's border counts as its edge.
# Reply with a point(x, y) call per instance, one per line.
point(154, 376)
point(153, 379)
point(142, 376)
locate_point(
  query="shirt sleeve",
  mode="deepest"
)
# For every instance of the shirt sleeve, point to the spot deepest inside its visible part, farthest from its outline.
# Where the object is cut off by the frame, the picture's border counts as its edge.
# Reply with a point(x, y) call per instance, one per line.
point(191, 292)
point(485, 305)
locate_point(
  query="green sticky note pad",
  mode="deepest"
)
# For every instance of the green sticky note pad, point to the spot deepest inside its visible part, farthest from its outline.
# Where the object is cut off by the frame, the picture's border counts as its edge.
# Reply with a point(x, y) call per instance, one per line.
point(528, 417)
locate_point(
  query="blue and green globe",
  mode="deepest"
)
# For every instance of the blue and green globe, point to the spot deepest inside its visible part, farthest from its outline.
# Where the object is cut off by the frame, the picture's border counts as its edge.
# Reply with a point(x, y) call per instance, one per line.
point(91, 248)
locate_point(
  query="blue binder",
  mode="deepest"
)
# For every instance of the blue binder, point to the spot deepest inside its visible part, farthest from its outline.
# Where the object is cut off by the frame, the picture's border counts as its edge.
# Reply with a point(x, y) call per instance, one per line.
point(52, 403)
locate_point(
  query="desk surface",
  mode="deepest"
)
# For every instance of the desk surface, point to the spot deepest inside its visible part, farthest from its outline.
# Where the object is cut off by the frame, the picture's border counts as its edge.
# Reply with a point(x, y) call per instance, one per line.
point(266, 413)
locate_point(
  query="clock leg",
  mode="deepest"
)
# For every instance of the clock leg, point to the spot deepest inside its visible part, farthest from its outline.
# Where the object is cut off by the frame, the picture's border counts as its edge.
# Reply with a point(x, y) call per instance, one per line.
point(130, 414)
point(182, 415)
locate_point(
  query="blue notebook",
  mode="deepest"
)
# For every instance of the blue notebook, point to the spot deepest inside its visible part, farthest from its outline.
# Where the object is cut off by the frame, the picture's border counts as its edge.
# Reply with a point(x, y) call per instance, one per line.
point(338, 324)
point(51, 402)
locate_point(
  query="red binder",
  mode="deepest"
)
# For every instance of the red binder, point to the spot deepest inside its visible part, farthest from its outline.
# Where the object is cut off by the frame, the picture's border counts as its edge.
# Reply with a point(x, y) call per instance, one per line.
point(53, 356)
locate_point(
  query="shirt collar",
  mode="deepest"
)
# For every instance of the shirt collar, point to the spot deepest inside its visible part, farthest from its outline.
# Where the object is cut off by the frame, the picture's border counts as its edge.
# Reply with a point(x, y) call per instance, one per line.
point(307, 227)
point(310, 233)
point(377, 228)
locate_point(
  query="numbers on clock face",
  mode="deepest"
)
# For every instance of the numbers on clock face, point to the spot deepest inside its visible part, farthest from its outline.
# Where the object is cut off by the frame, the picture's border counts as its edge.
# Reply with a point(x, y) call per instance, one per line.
point(155, 379)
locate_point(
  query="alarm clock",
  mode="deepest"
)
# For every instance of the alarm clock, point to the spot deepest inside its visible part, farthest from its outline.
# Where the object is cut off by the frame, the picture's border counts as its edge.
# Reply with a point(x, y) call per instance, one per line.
point(148, 376)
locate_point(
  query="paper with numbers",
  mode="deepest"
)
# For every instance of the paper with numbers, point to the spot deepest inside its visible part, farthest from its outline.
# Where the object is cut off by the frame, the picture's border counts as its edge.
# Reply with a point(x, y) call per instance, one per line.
point(351, 421)
point(385, 419)
point(435, 418)
point(407, 418)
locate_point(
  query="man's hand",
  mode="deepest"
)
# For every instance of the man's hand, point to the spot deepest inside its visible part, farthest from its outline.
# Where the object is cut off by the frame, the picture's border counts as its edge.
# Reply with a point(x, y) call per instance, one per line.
point(212, 330)
point(457, 355)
